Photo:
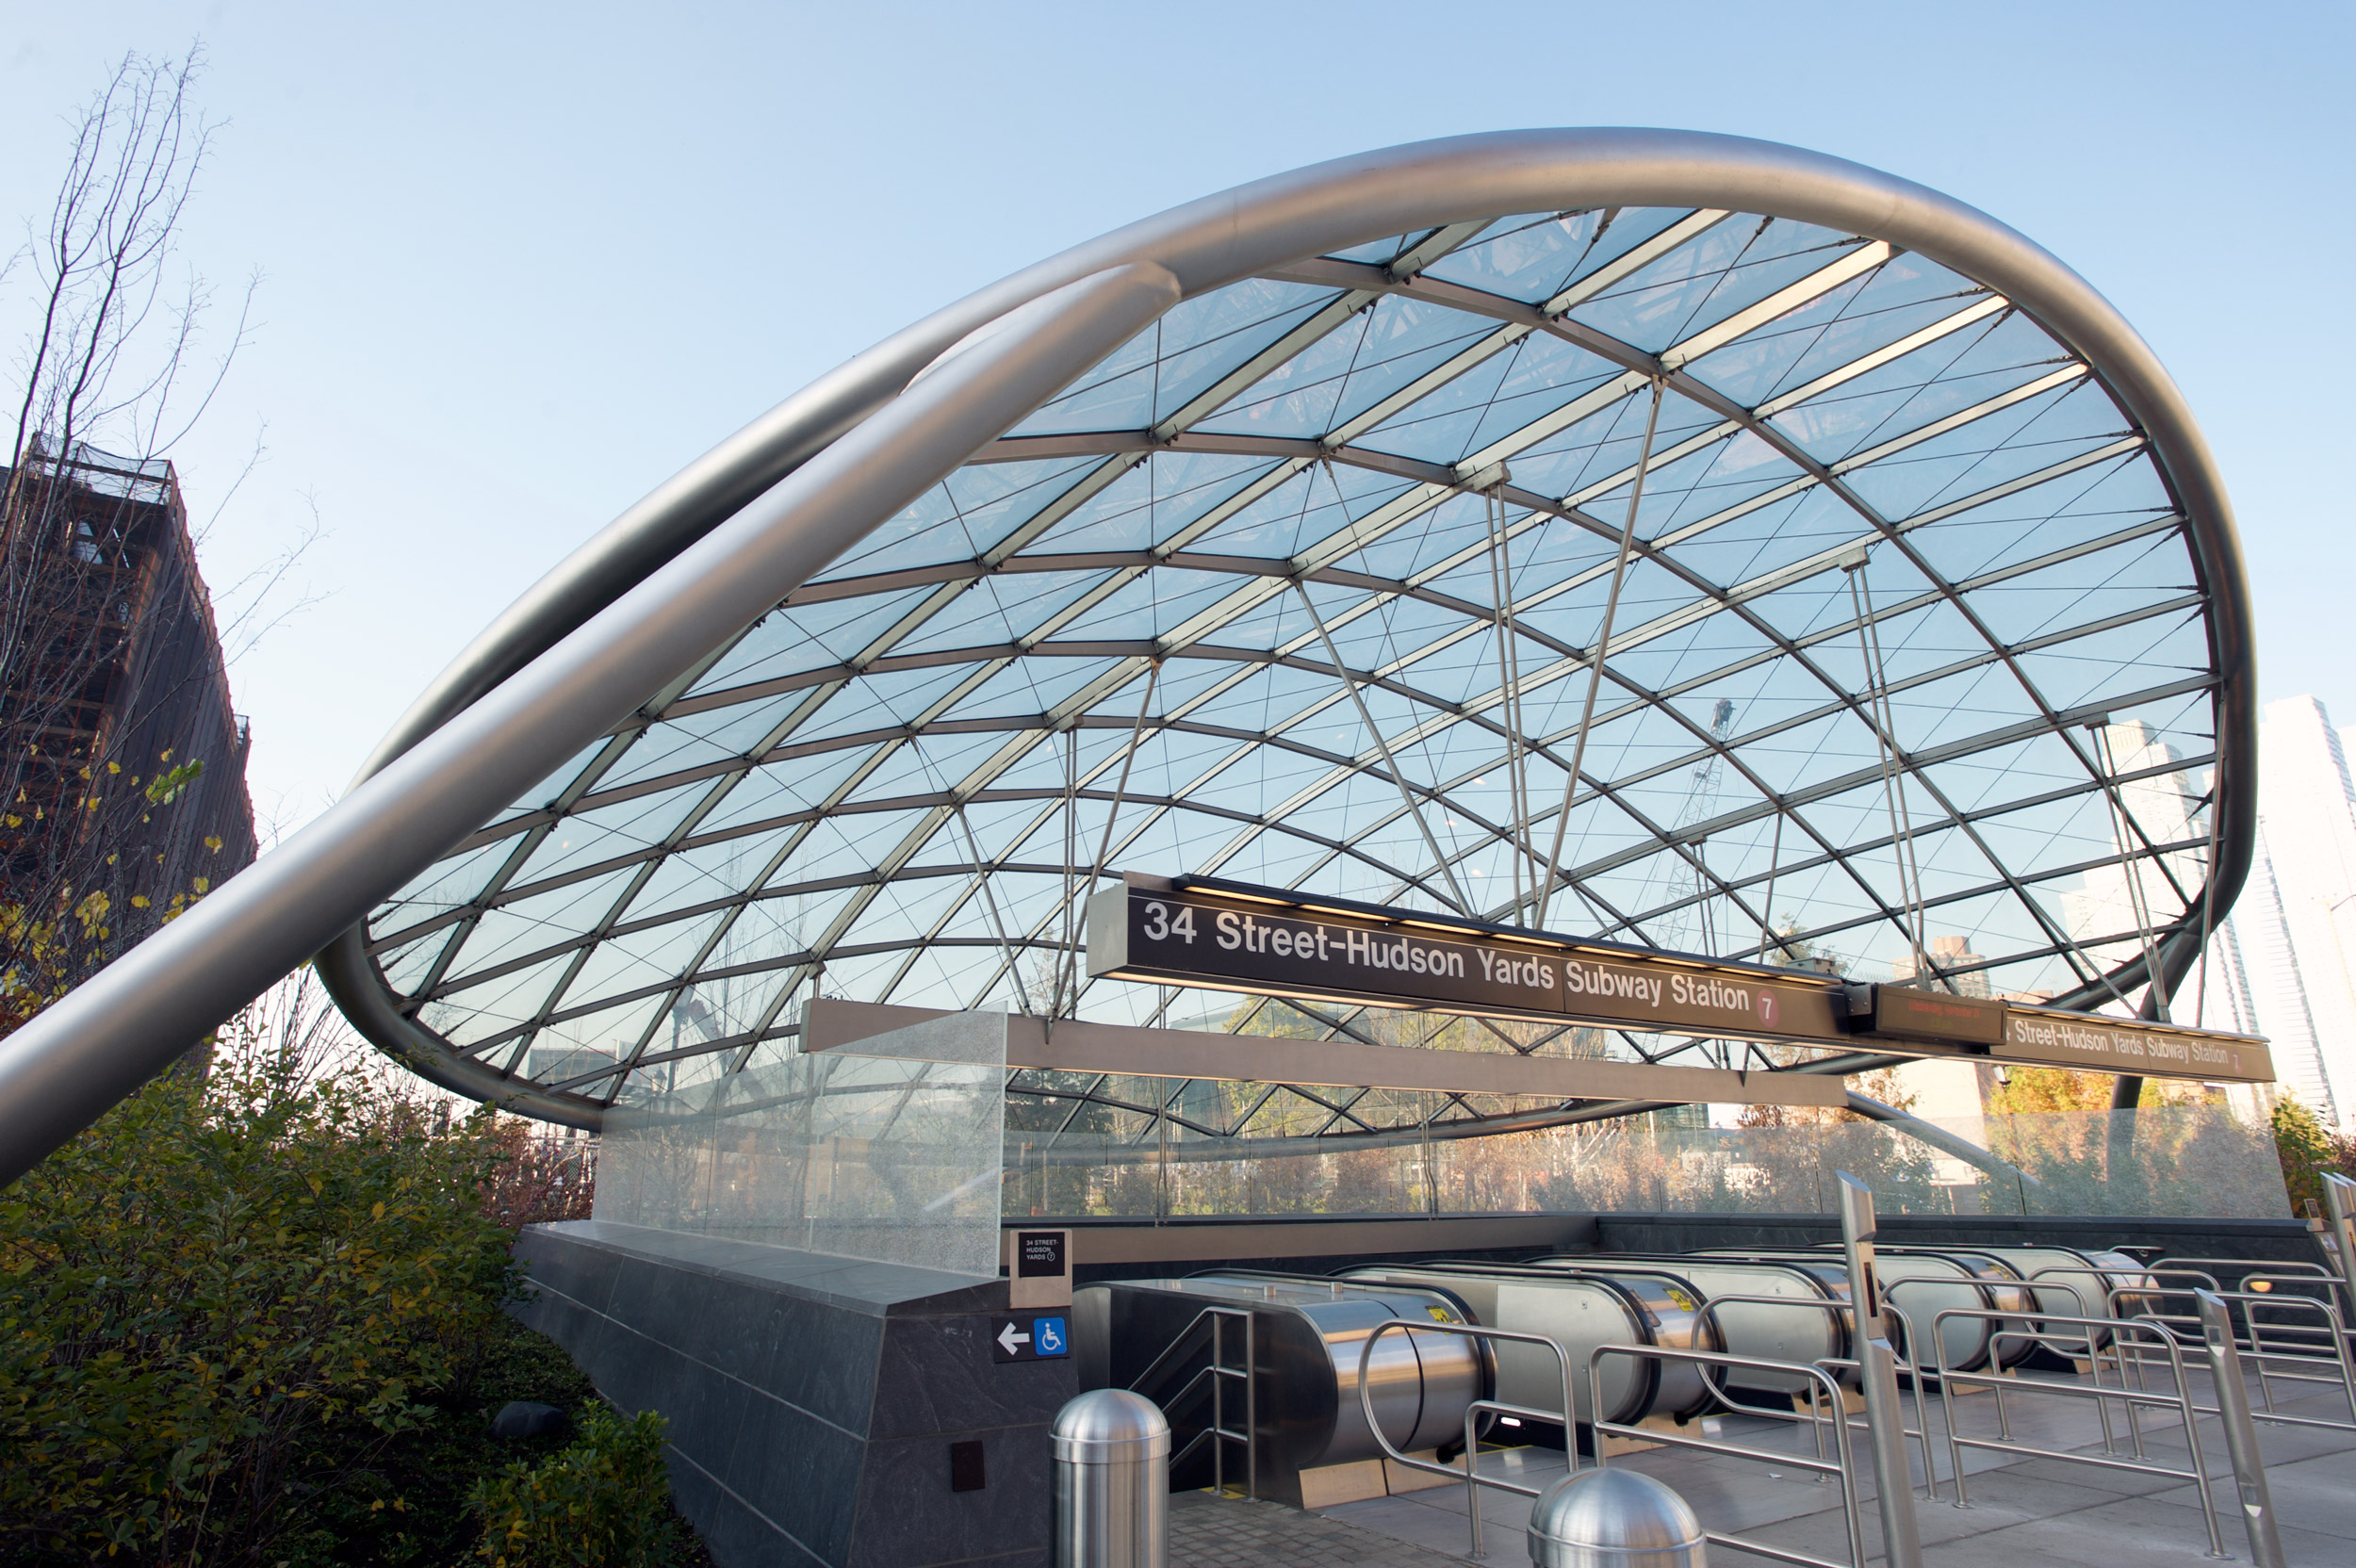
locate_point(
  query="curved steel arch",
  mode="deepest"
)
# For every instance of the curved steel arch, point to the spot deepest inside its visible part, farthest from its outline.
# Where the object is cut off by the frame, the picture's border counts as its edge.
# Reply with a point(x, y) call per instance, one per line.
point(610, 633)
point(1283, 228)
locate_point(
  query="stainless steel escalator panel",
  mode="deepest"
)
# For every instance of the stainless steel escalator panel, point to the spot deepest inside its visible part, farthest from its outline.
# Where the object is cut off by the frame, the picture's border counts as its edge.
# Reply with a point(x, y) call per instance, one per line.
point(1578, 1314)
point(1801, 1333)
point(1922, 1285)
point(1421, 1385)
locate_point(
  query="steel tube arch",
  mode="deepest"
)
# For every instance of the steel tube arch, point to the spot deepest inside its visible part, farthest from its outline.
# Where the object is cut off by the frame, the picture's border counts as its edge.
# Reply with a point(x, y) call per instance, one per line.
point(63, 1070)
point(1281, 227)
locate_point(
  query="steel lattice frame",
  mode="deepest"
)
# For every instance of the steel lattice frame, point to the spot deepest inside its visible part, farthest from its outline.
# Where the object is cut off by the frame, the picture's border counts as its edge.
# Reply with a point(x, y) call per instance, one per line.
point(1120, 611)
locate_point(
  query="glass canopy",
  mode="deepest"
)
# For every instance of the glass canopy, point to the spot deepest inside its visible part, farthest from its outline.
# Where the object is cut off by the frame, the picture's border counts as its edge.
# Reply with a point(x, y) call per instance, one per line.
point(1908, 674)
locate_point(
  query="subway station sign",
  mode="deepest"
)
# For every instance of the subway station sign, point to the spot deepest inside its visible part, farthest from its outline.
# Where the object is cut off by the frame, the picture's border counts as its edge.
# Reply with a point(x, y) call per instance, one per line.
point(1226, 938)
point(2095, 1042)
point(1224, 935)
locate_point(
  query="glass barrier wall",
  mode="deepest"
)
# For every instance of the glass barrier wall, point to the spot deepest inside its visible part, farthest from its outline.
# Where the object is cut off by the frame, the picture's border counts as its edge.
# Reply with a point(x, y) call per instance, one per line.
point(1102, 1155)
point(893, 1158)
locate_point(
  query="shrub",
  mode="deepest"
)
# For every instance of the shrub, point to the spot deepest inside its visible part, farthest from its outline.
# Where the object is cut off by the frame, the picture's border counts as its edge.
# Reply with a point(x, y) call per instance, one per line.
point(2308, 1149)
point(602, 1502)
point(222, 1302)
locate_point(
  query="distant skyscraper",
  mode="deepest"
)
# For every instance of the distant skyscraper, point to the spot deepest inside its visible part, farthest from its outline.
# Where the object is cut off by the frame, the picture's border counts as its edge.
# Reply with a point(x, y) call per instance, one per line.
point(1948, 955)
point(2274, 998)
point(2250, 979)
point(2308, 811)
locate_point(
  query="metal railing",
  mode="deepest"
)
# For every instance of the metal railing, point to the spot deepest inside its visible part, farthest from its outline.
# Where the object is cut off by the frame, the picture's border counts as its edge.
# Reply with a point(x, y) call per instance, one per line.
point(2104, 1350)
point(2294, 1355)
point(2135, 1401)
point(1915, 1372)
point(1216, 1433)
point(2303, 1352)
point(1471, 1474)
point(1841, 1466)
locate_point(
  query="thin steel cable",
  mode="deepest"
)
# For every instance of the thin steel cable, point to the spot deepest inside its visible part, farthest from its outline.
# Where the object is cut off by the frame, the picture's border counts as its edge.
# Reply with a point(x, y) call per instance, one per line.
point(1767, 905)
point(1525, 827)
point(1885, 749)
point(1014, 970)
point(2123, 827)
point(1505, 688)
point(1121, 791)
point(2208, 913)
point(1509, 688)
point(1899, 773)
point(1553, 868)
point(1071, 855)
point(1341, 672)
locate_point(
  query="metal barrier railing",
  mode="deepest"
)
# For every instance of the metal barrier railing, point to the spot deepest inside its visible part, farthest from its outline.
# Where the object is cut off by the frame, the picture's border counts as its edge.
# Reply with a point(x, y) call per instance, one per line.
point(2278, 1270)
point(2266, 1362)
point(2102, 1349)
point(1843, 1467)
point(2273, 1268)
point(2133, 1399)
point(1216, 1433)
point(1914, 1369)
point(1471, 1474)
point(2301, 1347)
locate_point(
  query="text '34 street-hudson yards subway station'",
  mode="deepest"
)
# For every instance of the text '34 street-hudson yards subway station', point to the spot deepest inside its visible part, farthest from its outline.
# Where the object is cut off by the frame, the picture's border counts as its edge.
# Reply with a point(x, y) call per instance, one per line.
point(1392, 851)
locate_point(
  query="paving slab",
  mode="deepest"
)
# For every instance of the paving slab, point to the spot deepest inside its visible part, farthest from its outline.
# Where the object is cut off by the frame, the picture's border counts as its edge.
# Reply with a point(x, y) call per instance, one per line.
point(2025, 1513)
point(1207, 1531)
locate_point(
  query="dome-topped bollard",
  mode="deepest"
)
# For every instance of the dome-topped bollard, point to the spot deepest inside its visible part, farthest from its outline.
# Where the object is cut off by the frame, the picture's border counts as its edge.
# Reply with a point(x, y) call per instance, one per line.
point(1614, 1519)
point(1112, 1482)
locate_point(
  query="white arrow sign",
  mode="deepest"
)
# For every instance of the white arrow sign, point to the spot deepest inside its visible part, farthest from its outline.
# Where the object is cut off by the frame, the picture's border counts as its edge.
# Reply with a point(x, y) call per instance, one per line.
point(1008, 1339)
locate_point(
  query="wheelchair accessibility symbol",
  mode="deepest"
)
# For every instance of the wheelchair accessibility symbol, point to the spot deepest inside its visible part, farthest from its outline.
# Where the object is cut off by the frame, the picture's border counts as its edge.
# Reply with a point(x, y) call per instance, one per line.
point(1029, 1338)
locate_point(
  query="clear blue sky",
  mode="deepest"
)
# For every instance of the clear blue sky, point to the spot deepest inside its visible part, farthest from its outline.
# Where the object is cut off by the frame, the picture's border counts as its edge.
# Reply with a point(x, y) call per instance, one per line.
point(522, 262)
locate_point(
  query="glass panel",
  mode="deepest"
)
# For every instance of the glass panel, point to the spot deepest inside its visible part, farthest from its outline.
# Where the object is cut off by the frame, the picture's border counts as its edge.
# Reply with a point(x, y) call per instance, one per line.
point(1074, 1154)
point(894, 1159)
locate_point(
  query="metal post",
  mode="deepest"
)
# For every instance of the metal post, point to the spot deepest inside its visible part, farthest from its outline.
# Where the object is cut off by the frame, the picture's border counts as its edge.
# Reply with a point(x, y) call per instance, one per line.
point(1112, 1482)
point(2241, 1434)
point(1878, 1368)
point(2339, 1195)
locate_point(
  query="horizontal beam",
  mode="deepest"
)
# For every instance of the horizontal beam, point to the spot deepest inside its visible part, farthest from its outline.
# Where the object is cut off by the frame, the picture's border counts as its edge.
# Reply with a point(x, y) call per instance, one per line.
point(1076, 1046)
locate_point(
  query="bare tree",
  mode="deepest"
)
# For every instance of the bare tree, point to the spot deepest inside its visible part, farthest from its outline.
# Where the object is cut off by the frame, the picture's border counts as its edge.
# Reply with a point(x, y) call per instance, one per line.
point(114, 701)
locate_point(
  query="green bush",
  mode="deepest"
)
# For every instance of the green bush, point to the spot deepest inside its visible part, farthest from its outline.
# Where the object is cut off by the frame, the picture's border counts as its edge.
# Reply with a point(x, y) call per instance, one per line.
point(2307, 1149)
point(603, 1502)
point(255, 1318)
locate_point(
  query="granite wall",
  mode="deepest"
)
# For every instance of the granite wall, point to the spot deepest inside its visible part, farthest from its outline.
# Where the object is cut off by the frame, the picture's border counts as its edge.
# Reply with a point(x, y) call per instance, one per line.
point(813, 1400)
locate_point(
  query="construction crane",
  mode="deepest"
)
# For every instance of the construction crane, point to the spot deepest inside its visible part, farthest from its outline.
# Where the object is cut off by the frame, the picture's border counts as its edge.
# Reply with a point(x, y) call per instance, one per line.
point(1675, 876)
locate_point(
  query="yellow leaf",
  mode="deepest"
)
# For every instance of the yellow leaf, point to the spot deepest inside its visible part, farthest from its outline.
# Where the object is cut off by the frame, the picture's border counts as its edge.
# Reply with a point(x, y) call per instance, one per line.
point(114, 767)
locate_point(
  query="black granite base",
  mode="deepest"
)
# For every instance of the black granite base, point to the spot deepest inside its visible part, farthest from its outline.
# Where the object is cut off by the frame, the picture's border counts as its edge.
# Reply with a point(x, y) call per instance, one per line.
point(1108, 1250)
point(812, 1399)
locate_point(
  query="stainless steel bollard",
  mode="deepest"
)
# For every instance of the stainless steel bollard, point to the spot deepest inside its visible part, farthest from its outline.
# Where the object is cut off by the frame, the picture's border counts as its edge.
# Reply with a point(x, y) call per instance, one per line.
point(1112, 1482)
point(1614, 1519)
point(1877, 1372)
point(2241, 1434)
